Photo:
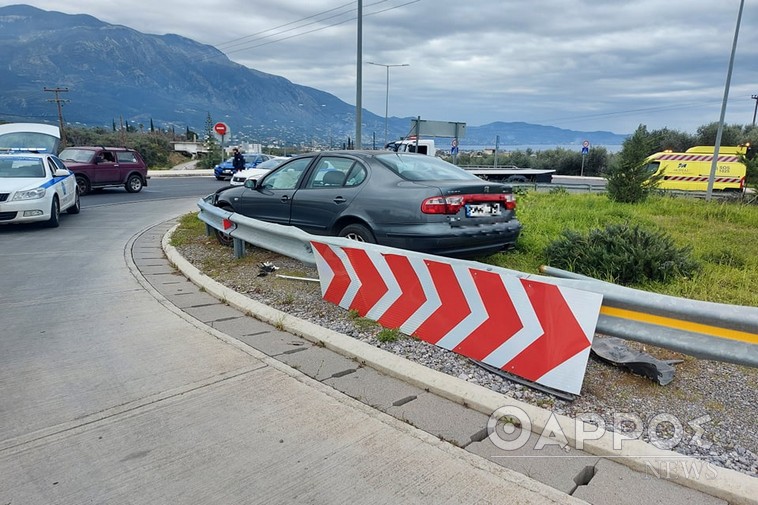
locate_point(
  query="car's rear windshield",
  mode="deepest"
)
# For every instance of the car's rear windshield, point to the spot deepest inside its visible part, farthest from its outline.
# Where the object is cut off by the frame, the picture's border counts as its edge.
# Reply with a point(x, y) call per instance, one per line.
point(417, 167)
point(21, 168)
point(28, 141)
point(76, 155)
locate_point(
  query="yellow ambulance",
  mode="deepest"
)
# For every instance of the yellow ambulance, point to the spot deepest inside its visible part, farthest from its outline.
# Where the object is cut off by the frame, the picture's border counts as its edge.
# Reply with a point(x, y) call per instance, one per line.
point(690, 170)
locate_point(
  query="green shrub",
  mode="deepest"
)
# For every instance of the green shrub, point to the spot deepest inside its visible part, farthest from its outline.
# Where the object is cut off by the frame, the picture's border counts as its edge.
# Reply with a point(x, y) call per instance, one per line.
point(621, 254)
point(388, 335)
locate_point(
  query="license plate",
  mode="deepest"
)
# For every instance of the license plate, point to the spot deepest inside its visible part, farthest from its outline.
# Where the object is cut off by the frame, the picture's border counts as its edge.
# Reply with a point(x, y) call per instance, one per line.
point(483, 209)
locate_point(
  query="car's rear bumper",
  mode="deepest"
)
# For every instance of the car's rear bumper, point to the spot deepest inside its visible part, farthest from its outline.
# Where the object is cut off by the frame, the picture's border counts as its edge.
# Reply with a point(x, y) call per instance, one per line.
point(442, 239)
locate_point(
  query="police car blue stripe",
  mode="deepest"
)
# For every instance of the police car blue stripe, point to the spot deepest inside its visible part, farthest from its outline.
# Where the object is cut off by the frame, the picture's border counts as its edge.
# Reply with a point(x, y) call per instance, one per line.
point(54, 181)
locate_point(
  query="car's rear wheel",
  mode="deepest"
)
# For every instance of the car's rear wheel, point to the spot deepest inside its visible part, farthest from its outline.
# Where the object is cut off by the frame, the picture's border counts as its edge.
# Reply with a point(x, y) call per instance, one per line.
point(77, 207)
point(55, 214)
point(358, 232)
point(83, 184)
point(134, 184)
point(224, 238)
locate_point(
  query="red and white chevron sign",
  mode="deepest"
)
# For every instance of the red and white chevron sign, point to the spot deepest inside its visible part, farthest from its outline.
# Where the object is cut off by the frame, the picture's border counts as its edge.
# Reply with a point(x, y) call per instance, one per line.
point(532, 329)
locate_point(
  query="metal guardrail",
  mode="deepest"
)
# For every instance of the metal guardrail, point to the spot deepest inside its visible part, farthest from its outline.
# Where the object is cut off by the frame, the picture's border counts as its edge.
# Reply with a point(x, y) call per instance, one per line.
point(707, 330)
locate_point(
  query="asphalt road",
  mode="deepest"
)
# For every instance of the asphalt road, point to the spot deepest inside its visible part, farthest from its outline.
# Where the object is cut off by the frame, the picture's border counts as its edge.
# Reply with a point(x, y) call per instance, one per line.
point(110, 395)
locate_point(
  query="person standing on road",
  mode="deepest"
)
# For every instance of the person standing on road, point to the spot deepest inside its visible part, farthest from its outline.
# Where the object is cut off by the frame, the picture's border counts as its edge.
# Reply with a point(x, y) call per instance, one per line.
point(238, 162)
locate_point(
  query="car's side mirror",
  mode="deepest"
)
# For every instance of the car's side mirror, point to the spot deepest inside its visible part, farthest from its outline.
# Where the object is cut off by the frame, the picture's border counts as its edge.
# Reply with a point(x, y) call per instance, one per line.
point(251, 183)
point(61, 172)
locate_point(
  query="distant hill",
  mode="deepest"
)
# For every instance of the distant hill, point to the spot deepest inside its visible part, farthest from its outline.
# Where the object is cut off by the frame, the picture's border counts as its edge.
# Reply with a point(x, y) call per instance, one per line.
point(519, 133)
point(115, 72)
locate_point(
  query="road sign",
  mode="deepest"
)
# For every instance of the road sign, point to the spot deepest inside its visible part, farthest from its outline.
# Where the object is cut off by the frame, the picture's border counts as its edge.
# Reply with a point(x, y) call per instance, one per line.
point(532, 329)
point(426, 128)
point(586, 147)
point(221, 128)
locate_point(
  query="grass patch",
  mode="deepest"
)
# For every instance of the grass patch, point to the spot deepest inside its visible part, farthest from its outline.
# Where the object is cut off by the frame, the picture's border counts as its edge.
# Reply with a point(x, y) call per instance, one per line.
point(721, 236)
point(388, 335)
point(190, 227)
point(361, 323)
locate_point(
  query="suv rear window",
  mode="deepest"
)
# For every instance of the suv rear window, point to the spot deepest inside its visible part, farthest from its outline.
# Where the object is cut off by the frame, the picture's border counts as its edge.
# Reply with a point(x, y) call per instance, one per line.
point(126, 157)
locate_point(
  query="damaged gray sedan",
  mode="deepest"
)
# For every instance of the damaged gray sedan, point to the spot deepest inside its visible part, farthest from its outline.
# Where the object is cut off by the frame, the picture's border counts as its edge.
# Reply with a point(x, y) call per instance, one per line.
point(403, 200)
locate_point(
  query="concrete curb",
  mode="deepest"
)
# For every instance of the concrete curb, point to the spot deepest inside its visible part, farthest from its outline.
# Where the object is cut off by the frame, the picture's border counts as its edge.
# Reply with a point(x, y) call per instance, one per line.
point(191, 172)
point(550, 494)
point(730, 485)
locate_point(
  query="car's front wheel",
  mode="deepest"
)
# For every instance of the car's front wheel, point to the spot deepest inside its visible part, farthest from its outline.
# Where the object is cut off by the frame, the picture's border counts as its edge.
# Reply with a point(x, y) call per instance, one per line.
point(55, 214)
point(134, 184)
point(77, 207)
point(358, 232)
point(83, 184)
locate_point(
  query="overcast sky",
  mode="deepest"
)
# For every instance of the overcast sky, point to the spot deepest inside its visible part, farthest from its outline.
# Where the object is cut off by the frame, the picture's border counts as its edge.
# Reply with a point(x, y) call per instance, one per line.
point(581, 64)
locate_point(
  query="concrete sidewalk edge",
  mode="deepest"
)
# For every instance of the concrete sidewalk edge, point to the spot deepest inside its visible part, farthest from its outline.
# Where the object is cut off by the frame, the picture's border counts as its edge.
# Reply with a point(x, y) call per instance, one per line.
point(735, 487)
point(522, 481)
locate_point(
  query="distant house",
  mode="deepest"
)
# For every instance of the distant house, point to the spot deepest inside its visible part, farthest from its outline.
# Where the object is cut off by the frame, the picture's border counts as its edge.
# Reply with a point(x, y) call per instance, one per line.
point(193, 149)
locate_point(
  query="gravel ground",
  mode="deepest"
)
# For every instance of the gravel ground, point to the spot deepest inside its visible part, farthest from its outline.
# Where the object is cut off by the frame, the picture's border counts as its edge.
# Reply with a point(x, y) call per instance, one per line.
point(719, 397)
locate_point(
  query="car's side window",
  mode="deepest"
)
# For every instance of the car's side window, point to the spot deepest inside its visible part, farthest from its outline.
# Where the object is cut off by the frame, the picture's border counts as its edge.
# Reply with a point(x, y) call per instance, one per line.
point(51, 166)
point(288, 176)
point(331, 172)
point(126, 157)
point(356, 176)
point(106, 157)
point(56, 164)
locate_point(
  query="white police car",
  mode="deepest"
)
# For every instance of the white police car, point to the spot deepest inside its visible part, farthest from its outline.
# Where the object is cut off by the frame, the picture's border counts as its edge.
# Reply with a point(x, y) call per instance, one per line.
point(35, 187)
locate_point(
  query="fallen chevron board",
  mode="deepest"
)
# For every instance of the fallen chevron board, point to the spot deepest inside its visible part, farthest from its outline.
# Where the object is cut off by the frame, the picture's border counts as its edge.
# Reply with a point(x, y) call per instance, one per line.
point(536, 330)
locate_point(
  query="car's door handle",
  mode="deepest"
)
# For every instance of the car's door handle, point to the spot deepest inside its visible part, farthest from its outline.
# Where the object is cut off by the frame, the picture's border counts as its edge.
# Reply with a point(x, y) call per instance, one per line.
point(284, 198)
point(339, 199)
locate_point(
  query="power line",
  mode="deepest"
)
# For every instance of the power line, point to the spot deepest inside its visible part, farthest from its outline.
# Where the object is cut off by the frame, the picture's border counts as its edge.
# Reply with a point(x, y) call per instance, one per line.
point(236, 41)
point(661, 108)
point(255, 45)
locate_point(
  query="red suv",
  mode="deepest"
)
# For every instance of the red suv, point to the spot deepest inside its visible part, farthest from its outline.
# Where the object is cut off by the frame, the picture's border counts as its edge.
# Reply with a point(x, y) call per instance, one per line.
point(100, 167)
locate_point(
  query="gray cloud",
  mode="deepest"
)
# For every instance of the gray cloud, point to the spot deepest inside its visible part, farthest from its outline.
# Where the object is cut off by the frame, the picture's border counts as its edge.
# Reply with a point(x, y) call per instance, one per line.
point(588, 65)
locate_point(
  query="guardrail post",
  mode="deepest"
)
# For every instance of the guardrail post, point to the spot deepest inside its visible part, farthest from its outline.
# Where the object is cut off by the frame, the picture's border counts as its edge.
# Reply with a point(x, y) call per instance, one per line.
point(209, 230)
point(239, 248)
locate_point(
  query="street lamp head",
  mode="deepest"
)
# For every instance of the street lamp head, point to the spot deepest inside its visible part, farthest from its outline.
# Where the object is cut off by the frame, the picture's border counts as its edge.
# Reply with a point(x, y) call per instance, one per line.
point(387, 95)
point(387, 66)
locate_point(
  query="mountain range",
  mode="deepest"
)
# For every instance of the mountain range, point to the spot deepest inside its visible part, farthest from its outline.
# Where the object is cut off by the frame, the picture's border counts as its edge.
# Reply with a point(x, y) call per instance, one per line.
point(112, 73)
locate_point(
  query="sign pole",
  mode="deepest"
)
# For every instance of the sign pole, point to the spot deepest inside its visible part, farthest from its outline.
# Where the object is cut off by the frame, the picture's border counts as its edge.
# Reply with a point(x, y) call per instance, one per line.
point(221, 130)
point(497, 145)
point(585, 152)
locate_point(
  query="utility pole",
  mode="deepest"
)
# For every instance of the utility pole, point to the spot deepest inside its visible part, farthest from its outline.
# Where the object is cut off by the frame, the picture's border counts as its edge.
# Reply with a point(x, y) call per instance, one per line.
point(58, 100)
point(359, 79)
point(720, 131)
point(754, 97)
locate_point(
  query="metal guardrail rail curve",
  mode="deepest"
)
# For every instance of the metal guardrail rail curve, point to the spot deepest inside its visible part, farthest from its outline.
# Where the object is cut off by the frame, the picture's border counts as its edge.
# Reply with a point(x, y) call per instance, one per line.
point(721, 332)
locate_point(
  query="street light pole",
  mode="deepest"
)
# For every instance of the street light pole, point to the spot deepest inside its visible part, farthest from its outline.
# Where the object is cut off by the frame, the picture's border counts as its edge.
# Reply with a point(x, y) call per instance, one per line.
point(720, 131)
point(755, 97)
point(359, 79)
point(387, 96)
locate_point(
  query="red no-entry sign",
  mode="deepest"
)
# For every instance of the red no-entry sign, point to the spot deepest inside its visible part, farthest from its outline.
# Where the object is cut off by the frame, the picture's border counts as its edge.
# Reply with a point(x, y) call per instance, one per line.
point(221, 128)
